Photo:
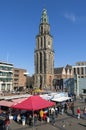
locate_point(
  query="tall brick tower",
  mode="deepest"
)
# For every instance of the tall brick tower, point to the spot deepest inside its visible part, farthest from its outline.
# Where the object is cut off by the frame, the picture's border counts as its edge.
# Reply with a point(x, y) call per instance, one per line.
point(44, 54)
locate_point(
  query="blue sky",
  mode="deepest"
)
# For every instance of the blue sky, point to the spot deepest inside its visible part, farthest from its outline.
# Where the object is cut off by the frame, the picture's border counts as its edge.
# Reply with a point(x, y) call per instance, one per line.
point(19, 25)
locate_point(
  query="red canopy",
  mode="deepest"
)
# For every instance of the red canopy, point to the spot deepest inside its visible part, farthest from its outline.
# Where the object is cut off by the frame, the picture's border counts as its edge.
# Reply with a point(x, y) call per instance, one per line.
point(33, 103)
point(18, 100)
point(6, 103)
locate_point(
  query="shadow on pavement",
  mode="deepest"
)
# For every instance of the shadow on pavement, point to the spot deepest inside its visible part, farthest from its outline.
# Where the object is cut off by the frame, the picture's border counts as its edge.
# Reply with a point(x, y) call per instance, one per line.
point(82, 124)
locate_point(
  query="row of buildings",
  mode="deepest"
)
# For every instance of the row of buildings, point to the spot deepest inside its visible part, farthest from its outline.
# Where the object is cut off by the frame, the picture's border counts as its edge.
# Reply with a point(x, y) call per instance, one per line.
point(69, 77)
point(11, 78)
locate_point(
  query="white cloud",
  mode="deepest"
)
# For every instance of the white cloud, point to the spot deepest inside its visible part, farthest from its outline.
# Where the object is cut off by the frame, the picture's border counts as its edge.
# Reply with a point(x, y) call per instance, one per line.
point(73, 18)
point(70, 17)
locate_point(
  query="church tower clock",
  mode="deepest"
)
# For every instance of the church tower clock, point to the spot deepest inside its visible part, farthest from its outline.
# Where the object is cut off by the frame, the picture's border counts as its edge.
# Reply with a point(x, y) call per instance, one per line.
point(44, 54)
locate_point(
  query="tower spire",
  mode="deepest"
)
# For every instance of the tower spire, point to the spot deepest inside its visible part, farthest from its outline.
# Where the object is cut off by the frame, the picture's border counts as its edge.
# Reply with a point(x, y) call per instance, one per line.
point(44, 17)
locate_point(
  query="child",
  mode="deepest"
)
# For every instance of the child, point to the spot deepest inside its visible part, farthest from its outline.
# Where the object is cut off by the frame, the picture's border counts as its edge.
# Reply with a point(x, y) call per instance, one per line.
point(78, 112)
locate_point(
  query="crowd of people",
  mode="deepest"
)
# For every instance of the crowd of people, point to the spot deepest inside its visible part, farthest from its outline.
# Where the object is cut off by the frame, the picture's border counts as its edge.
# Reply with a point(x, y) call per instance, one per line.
point(48, 115)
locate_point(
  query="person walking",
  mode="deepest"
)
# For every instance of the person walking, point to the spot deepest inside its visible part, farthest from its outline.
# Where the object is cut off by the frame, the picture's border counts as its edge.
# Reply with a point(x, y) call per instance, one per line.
point(41, 112)
point(56, 111)
point(35, 119)
point(78, 112)
point(30, 119)
point(65, 107)
point(18, 118)
point(53, 118)
point(72, 108)
point(7, 123)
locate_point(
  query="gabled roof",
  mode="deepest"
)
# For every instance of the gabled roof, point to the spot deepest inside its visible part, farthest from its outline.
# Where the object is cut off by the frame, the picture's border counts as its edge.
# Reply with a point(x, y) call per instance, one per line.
point(58, 70)
point(68, 66)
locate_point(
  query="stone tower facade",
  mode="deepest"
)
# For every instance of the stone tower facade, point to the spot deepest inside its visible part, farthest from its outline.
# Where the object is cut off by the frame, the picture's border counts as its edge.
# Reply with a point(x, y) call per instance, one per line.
point(44, 55)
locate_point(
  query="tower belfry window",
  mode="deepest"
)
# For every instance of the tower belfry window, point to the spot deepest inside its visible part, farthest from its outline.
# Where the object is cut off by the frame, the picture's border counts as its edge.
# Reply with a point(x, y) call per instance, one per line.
point(40, 62)
point(41, 30)
point(44, 42)
point(41, 42)
point(44, 20)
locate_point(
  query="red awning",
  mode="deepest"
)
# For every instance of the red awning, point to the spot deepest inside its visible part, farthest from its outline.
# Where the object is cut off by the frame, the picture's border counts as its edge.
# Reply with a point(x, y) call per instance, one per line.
point(19, 100)
point(6, 103)
point(33, 103)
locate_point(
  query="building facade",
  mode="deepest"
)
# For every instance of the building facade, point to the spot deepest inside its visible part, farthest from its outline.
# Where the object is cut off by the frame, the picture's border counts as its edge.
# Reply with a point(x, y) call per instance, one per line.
point(62, 74)
point(80, 69)
point(77, 84)
point(19, 79)
point(44, 55)
point(6, 76)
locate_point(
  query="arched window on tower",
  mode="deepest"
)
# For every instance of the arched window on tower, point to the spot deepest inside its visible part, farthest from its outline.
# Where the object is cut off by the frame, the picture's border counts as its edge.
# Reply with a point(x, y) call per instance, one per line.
point(49, 61)
point(44, 42)
point(40, 62)
point(41, 42)
point(40, 82)
point(50, 80)
point(44, 62)
point(38, 43)
point(37, 63)
point(41, 30)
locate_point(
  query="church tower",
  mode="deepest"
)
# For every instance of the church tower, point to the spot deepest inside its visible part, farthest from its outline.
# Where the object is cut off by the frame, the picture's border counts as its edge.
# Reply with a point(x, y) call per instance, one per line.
point(44, 55)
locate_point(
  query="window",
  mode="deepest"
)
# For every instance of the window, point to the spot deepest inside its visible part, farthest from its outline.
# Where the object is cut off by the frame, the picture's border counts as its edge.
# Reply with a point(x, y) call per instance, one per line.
point(40, 62)
point(41, 42)
point(85, 70)
point(84, 90)
point(44, 41)
point(82, 70)
point(44, 62)
point(74, 70)
point(77, 70)
point(16, 75)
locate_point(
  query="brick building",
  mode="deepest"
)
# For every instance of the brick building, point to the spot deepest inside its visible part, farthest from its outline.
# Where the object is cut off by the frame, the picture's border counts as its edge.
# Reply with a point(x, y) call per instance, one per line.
point(19, 79)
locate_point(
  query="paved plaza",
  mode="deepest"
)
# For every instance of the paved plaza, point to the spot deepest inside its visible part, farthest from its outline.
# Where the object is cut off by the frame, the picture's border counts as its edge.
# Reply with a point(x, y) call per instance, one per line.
point(63, 122)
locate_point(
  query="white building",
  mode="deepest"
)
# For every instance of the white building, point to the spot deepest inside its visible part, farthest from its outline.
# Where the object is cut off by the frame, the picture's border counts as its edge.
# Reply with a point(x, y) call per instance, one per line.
point(79, 71)
point(6, 76)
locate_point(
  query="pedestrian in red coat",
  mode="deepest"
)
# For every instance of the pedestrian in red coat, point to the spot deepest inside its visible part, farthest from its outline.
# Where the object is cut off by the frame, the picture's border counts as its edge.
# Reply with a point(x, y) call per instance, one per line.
point(78, 112)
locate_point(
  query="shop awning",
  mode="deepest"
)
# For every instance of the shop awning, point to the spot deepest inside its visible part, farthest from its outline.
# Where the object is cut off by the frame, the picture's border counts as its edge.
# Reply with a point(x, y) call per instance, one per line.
point(61, 99)
point(19, 100)
point(6, 103)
